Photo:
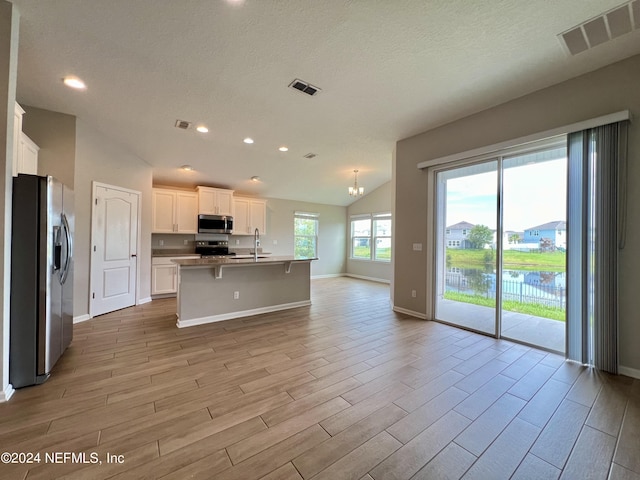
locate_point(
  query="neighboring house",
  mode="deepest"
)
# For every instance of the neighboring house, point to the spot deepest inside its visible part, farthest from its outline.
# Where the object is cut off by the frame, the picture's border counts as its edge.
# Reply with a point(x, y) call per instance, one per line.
point(549, 235)
point(511, 240)
point(456, 236)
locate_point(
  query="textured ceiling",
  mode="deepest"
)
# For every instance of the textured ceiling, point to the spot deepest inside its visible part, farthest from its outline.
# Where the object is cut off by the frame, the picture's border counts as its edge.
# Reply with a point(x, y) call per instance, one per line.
point(388, 69)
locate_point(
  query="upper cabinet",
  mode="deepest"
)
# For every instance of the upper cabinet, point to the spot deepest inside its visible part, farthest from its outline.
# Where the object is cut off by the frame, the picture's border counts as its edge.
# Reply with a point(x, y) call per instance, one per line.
point(249, 214)
point(25, 152)
point(215, 201)
point(174, 211)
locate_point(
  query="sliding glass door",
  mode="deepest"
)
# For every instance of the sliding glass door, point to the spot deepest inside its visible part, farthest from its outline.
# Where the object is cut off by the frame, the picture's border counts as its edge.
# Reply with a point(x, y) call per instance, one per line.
point(467, 215)
point(501, 246)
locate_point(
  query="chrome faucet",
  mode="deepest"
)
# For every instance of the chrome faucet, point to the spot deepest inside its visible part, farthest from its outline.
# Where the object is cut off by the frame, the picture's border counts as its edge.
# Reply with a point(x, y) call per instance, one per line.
point(256, 242)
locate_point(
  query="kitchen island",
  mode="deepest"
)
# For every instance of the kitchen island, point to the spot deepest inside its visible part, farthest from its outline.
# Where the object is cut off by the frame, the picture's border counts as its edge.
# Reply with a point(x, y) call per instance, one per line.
point(215, 289)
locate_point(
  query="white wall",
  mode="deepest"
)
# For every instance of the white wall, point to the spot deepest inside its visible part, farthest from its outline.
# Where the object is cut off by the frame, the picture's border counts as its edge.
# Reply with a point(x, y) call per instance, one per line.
point(102, 160)
point(607, 90)
point(378, 201)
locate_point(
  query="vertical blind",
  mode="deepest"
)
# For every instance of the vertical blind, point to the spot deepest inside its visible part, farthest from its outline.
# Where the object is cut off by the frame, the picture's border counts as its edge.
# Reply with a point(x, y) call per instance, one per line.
point(595, 232)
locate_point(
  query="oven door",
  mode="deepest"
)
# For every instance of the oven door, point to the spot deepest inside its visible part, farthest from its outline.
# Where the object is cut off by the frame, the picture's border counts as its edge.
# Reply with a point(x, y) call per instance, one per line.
point(213, 224)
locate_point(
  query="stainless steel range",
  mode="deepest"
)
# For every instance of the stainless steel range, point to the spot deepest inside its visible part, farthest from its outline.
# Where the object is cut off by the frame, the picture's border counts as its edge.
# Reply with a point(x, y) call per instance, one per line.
point(213, 248)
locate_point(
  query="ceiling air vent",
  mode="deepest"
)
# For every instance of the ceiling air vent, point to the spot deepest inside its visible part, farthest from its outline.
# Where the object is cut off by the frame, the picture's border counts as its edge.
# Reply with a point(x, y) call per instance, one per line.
point(304, 87)
point(603, 28)
point(183, 124)
point(310, 155)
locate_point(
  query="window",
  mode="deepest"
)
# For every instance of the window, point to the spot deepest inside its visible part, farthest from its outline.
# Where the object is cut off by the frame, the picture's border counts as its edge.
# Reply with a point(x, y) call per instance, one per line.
point(371, 237)
point(305, 232)
point(382, 237)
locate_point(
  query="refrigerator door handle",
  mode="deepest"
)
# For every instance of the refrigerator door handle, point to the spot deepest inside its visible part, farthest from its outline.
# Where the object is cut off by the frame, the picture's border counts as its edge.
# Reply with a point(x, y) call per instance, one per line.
point(68, 240)
point(57, 249)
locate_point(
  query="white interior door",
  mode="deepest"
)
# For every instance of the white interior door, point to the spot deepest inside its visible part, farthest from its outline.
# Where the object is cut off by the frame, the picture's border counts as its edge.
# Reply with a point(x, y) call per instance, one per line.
point(114, 246)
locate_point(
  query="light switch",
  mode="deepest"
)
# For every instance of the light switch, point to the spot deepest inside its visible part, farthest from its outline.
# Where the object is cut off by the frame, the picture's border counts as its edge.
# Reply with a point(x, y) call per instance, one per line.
point(417, 247)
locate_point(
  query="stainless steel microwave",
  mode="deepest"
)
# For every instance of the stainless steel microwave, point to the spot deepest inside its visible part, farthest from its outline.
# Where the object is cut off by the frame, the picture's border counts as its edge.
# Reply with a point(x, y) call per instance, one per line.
point(215, 224)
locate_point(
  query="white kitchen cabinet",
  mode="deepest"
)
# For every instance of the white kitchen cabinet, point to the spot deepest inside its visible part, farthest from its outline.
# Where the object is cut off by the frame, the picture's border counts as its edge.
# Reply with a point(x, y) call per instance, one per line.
point(17, 132)
point(215, 201)
point(249, 214)
point(27, 155)
point(174, 211)
point(164, 279)
point(164, 274)
point(25, 151)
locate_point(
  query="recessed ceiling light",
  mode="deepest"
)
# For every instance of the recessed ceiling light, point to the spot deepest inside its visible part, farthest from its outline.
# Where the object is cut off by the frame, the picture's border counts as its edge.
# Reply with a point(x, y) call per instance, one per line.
point(248, 140)
point(284, 149)
point(74, 82)
point(202, 129)
point(187, 168)
point(255, 178)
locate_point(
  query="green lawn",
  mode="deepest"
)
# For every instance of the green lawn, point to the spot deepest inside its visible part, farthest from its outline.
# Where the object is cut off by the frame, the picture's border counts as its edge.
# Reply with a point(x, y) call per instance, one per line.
point(509, 305)
point(548, 261)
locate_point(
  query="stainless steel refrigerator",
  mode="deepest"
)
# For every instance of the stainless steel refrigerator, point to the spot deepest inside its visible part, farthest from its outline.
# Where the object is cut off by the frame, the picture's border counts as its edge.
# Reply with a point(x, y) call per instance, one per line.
point(41, 277)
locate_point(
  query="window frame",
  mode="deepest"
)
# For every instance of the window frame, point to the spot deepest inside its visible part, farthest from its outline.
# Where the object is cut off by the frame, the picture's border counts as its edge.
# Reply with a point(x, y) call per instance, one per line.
point(372, 238)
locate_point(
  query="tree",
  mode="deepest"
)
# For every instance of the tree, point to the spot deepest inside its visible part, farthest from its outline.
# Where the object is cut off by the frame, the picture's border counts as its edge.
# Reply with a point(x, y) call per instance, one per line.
point(514, 238)
point(480, 235)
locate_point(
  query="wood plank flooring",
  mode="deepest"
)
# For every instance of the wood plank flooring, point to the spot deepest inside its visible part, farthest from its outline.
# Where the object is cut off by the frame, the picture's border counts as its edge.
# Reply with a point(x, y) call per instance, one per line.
point(344, 389)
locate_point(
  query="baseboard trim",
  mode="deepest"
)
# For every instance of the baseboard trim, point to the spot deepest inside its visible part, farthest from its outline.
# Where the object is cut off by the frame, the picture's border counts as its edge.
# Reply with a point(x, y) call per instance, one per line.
point(7, 393)
point(244, 313)
point(629, 372)
point(328, 275)
point(371, 279)
point(410, 312)
point(81, 318)
point(144, 300)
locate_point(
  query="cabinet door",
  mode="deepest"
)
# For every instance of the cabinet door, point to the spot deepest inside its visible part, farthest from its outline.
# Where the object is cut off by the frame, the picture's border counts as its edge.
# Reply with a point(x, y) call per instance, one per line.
point(206, 201)
point(17, 131)
point(27, 156)
point(224, 201)
point(186, 212)
point(241, 216)
point(163, 211)
point(258, 215)
point(164, 279)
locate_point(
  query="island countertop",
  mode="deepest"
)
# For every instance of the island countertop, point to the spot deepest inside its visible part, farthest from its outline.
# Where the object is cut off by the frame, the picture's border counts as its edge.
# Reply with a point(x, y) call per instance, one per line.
point(214, 262)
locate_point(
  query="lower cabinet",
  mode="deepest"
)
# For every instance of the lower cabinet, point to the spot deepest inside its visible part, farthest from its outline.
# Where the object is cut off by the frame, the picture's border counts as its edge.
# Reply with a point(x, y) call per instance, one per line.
point(164, 274)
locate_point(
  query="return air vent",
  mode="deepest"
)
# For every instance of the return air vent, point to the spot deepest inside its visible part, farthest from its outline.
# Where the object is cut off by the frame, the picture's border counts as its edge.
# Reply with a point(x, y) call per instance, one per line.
point(603, 28)
point(304, 87)
point(310, 155)
point(183, 124)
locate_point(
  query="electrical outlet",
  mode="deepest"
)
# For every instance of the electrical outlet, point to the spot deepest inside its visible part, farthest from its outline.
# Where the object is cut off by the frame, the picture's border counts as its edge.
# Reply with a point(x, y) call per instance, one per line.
point(186, 242)
point(417, 247)
point(161, 242)
point(275, 242)
point(236, 295)
point(413, 294)
point(237, 241)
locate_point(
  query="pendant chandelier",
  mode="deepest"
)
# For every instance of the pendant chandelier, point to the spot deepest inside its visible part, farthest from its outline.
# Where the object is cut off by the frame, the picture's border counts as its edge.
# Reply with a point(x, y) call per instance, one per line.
point(356, 191)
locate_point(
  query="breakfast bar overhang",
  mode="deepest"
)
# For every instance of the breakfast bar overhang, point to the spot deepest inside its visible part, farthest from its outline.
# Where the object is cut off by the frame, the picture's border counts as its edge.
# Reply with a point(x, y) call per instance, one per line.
point(212, 290)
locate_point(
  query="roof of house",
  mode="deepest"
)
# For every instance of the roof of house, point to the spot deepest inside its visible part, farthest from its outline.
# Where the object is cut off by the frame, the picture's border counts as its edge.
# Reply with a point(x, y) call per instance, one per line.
point(461, 225)
point(556, 225)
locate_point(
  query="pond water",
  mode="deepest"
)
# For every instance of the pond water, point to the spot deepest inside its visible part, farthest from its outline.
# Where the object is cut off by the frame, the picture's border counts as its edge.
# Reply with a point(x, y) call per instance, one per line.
point(525, 286)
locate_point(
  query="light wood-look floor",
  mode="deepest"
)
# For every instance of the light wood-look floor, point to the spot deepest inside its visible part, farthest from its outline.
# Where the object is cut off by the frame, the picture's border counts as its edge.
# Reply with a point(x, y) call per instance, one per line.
point(344, 389)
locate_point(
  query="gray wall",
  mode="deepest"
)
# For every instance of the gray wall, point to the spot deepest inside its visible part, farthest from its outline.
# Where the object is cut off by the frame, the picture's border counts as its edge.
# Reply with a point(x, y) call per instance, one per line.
point(9, 21)
point(601, 92)
point(102, 160)
point(55, 134)
point(378, 201)
point(331, 234)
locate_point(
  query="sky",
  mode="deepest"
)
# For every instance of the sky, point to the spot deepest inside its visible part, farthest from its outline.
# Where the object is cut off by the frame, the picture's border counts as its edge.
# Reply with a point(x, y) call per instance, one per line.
point(533, 194)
